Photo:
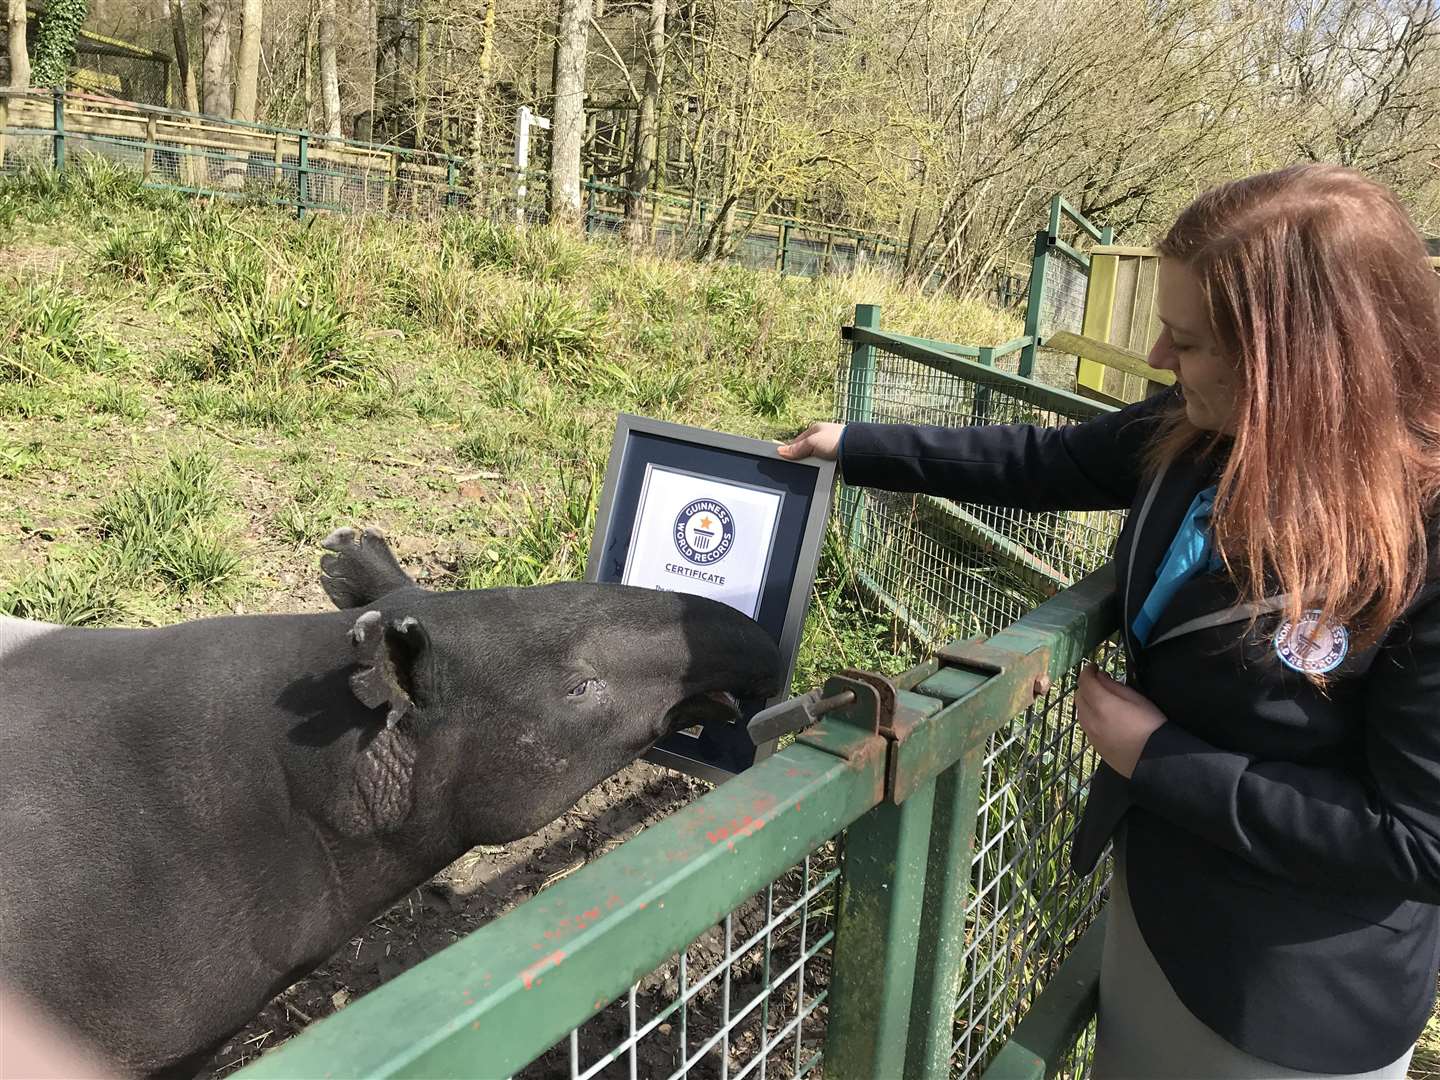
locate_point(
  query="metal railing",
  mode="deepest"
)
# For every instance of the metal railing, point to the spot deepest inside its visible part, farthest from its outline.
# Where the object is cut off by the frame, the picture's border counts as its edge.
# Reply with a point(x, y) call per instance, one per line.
point(883, 896)
point(310, 171)
point(1059, 277)
point(945, 569)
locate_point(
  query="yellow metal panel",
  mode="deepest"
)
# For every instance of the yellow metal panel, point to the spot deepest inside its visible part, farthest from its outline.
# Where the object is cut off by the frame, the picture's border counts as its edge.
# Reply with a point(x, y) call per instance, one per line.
point(1099, 303)
point(1124, 249)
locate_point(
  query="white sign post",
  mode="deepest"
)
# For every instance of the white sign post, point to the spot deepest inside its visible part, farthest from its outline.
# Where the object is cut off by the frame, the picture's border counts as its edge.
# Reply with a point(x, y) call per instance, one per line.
point(523, 123)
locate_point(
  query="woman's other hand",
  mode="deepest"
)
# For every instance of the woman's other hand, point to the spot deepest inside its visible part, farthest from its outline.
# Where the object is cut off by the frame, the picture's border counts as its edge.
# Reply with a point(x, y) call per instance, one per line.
point(821, 440)
point(1117, 720)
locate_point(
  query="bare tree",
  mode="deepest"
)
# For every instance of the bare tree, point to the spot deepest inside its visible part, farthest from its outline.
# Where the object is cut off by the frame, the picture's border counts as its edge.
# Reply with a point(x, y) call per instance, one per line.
point(215, 67)
point(189, 93)
point(19, 57)
point(329, 70)
point(643, 168)
point(247, 72)
point(567, 123)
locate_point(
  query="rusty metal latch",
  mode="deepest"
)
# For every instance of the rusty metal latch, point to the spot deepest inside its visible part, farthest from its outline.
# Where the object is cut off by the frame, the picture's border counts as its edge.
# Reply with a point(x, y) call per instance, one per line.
point(985, 659)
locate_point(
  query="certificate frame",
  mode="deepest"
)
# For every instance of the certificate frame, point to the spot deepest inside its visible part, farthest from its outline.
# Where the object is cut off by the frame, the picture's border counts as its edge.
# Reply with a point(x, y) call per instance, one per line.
point(642, 444)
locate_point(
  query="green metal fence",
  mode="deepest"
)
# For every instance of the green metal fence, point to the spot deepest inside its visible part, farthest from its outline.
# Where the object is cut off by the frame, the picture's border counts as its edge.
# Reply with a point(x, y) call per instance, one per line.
point(1059, 276)
point(884, 897)
point(949, 570)
point(309, 171)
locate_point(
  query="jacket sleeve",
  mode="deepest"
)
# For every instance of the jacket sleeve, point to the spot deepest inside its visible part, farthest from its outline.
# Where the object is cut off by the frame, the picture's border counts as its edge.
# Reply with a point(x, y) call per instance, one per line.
point(1374, 830)
point(1091, 466)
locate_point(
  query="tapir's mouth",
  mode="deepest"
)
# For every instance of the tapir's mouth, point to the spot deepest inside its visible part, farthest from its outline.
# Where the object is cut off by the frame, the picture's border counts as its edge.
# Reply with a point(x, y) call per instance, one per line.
point(712, 707)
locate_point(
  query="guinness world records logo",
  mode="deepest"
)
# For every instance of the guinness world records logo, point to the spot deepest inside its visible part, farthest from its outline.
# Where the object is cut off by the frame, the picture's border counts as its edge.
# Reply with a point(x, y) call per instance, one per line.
point(1310, 646)
point(704, 532)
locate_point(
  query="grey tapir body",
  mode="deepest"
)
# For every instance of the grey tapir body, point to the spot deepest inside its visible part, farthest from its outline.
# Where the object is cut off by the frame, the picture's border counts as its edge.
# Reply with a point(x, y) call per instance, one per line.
point(192, 817)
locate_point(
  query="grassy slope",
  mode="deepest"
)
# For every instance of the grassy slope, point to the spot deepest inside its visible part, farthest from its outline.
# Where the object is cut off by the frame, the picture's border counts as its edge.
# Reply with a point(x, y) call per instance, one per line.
point(192, 396)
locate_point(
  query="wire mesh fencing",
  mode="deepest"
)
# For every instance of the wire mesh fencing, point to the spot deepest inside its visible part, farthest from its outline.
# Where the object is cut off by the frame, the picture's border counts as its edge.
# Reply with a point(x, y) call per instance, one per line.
point(746, 999)
point(949, 569)
point(1026, 909)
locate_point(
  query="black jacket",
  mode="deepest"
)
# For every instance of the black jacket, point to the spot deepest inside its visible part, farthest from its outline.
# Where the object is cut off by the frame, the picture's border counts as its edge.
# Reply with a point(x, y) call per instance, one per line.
point(1282, 845)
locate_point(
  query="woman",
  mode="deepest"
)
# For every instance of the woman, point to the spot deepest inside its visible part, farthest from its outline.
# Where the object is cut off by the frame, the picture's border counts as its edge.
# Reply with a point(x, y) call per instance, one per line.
point(1271, 773)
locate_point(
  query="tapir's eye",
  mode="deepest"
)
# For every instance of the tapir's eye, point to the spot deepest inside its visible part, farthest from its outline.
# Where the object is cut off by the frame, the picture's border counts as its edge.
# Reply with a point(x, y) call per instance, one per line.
point(587, 687)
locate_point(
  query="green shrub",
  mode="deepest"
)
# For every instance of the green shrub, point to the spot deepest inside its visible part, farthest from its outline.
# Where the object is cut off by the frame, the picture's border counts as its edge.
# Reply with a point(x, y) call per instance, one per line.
point(283, 339)
point(83, 592)
point(44, 327)
point(546, 328)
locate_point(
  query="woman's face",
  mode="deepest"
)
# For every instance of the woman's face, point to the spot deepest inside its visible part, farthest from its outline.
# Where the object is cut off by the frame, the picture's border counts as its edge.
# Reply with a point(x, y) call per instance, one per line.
point(1187, 347)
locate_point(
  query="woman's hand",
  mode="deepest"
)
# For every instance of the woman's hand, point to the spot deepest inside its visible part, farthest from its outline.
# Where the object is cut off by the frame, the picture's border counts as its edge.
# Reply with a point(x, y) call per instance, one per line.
point(1117, 720)
point(820, 440)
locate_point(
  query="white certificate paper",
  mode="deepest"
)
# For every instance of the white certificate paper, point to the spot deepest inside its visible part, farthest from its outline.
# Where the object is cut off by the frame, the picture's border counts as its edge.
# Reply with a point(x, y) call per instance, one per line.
point(702, 536)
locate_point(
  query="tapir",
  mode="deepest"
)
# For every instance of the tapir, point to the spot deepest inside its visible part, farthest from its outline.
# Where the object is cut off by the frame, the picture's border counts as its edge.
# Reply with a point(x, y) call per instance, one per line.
point(193, 817)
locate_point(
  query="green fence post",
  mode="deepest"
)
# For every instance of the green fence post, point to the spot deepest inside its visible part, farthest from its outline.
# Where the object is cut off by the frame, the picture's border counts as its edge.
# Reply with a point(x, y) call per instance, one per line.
point(449, 183)
point(781, 248)
point(877, 937)
point(982, 393)
point(302, 175)
point(1038, 261)
point(942, 924)
point(59, 130)
point(859, 406)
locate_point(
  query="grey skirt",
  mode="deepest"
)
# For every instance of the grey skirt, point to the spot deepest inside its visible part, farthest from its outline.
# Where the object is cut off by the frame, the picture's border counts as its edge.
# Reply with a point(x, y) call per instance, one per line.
point(1146, 1033)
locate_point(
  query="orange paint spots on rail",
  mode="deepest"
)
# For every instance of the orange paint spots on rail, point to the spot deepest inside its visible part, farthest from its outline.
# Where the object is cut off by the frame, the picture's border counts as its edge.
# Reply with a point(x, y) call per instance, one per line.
point(530, 976)
point(745, 826)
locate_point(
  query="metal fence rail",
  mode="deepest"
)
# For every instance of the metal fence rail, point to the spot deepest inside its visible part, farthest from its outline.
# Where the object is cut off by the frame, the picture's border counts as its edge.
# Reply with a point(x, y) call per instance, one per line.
point(310, 171)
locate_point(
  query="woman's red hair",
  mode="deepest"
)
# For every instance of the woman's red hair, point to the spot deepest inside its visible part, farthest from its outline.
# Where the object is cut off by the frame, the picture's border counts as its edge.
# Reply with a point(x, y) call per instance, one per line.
point(1319, 289)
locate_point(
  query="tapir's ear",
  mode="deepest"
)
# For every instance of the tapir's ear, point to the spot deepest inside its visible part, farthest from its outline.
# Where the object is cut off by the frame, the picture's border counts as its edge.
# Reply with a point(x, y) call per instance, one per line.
point(390, 655)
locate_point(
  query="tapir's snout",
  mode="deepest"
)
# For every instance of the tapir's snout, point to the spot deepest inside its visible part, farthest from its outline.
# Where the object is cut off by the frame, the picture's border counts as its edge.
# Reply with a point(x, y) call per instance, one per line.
point(733, 662)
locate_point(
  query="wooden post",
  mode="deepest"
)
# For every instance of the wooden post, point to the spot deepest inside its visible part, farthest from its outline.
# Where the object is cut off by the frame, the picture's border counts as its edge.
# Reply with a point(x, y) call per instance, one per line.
point(59, 137)
point(391, 180)
point(303, 174)
point(279, 156)
point(148, 161)
point(4, 123)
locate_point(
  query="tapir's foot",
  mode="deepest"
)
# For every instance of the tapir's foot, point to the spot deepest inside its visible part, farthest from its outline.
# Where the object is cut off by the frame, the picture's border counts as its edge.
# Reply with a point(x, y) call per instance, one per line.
point(361, 570)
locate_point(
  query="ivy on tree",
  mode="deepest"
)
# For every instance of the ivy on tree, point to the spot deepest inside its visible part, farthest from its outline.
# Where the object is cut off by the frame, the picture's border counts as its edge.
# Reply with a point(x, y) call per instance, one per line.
point(60, 24)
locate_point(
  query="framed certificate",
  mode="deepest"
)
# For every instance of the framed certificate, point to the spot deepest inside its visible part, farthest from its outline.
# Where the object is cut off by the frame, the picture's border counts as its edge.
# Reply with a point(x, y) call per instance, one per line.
point(716, 515)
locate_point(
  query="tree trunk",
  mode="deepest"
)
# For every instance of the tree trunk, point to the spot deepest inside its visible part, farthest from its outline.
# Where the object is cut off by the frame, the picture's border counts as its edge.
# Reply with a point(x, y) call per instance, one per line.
point(643, 167)
point(307, 70)
point(19, 58)
point(422, 74)
point(219, 97)
point(55, 42)
point(188, 89)
point(329, 69)
point(482, 100)
point(567, 124)
point(247, 74)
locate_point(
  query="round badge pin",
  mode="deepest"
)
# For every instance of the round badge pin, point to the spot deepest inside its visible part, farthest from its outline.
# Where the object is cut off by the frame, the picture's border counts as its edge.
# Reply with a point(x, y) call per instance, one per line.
point(1311, 646)
point(704, 532)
